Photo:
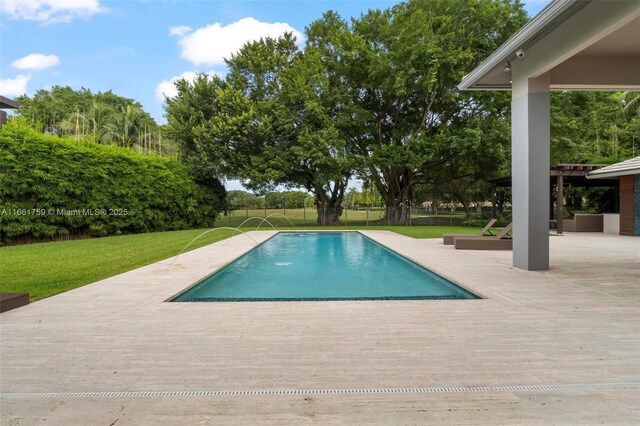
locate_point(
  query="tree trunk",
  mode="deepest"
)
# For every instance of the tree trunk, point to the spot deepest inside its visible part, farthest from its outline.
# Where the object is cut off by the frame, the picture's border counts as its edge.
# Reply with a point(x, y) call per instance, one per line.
point(329, 215)
point(398, 209)
point(329, 202)
point(397, 214)
point(396, 188)
point(465, 204)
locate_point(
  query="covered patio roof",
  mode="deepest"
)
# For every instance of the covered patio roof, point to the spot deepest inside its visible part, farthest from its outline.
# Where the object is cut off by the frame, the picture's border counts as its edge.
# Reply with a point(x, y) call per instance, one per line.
point(629, 167)
point(569, 45)
point(6, 103)
point(578, 51)
point(572, 174)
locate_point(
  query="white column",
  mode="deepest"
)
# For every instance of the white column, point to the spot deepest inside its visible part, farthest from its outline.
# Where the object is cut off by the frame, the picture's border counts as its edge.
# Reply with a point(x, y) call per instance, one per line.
point(530, 171)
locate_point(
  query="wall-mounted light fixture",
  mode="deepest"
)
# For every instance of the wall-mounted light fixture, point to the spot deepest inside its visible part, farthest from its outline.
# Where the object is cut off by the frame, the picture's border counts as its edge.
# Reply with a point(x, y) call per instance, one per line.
point(507, 67)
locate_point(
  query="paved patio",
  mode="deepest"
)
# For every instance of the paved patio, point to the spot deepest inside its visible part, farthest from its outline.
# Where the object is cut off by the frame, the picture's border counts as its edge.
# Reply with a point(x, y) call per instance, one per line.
point(578, 323)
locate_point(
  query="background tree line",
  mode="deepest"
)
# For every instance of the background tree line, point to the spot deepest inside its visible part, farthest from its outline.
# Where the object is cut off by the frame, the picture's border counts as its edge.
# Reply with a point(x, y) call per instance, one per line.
point(238, 199)
point(354, 199)
point(102, 117)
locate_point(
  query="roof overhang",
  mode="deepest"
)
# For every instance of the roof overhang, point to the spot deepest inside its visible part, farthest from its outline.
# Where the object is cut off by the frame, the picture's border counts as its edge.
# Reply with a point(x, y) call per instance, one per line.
point(625, 168)
point(583, 45)
point(574, 175)
point(6, 103)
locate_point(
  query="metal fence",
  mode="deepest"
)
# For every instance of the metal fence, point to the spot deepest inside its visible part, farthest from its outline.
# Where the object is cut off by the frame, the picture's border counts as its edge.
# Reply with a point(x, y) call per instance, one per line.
point(365, 216)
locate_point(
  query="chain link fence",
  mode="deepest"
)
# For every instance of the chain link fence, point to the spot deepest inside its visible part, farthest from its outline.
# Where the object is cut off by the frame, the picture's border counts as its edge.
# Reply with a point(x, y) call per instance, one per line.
point(356, 216)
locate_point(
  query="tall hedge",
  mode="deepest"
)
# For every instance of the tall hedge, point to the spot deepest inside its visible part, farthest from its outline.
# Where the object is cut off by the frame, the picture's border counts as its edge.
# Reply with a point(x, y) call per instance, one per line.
point(51, 187)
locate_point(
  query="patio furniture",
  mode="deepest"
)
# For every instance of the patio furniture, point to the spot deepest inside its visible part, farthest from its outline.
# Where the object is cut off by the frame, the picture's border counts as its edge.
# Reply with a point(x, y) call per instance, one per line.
point(584, 223)
point(447, 239)
point(501, 241)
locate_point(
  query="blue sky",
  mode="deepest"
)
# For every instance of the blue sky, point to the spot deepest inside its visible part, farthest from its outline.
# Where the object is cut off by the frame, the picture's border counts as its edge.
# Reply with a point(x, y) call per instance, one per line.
point(135, 47)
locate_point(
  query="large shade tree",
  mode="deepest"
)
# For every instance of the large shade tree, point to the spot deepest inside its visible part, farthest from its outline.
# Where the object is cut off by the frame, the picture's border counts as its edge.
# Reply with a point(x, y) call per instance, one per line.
point(414, 126)
point(275, 121)
point(209, 119)
point(296, 139)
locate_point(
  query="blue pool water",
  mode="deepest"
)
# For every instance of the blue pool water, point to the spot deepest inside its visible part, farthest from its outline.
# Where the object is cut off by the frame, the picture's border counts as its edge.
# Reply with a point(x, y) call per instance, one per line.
point(322, 266)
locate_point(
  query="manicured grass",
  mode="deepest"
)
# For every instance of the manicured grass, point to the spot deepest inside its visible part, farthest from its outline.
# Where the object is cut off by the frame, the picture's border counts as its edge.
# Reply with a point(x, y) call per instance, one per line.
point(47, 269)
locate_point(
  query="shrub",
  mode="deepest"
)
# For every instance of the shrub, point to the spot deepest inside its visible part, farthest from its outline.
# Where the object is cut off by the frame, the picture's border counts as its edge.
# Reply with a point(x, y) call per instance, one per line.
point(53, 187)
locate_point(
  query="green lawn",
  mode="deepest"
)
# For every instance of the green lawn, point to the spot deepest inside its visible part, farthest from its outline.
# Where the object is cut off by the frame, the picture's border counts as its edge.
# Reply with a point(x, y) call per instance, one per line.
point(46, 269)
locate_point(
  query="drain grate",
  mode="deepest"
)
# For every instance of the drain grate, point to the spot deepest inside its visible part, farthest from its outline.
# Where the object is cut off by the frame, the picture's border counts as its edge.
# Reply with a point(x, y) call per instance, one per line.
point(277, 392)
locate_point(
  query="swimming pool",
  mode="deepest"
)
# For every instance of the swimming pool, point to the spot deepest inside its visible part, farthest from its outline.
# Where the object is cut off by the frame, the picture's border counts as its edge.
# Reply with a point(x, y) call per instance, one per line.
point(322, 266)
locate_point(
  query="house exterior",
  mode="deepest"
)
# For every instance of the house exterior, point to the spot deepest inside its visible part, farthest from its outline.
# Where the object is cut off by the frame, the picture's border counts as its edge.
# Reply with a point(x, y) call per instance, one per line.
point(628, 172)
point(569, 45)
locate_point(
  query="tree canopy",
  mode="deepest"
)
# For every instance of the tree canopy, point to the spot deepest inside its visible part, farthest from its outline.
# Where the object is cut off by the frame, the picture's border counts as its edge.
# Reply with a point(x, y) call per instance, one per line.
point(376, 98)
point(414, 125)
point(102, 117)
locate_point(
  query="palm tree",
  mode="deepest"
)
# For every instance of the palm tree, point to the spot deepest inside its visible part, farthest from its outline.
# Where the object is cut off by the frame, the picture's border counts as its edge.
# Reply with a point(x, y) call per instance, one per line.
point(631, 105)
point(129, 124)
point(630, 101)
point(74, 125)
point(103, 122)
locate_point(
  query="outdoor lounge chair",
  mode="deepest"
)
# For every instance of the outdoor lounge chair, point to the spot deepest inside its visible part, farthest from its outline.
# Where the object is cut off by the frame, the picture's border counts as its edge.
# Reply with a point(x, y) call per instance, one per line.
point(501, 241)
point(447, 239)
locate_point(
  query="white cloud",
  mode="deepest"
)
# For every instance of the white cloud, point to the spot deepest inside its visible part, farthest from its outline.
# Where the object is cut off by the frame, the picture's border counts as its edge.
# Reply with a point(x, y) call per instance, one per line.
point(180, 30)
point(36, 61)
point(50, 11)
point(13, 87)
point(168, 88)
point(211, 44)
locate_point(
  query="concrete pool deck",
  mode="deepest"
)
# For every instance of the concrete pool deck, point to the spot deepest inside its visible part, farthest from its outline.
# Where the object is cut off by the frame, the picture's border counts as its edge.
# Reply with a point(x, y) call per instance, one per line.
point(577, 324)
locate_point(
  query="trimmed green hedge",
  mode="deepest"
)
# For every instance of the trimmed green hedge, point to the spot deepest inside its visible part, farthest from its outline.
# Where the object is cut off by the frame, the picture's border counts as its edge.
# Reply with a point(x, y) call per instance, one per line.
point(53, 187)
